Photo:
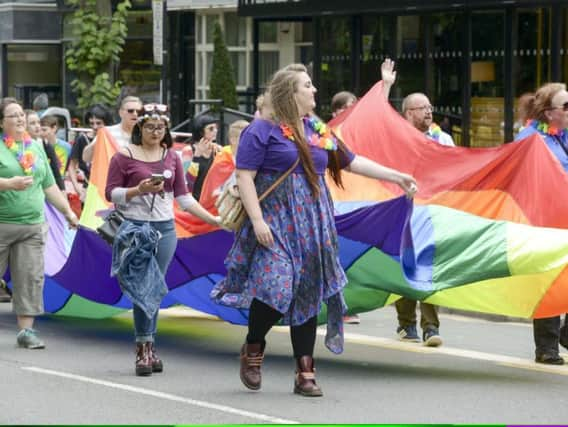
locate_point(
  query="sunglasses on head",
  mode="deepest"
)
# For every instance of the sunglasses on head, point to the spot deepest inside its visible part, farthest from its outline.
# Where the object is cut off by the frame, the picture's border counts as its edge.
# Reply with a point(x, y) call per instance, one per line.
point(156, 107)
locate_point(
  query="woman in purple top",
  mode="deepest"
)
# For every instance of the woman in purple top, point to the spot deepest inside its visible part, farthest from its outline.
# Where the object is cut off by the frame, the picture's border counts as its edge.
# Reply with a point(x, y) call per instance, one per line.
point(143, 180)
point(284, 262)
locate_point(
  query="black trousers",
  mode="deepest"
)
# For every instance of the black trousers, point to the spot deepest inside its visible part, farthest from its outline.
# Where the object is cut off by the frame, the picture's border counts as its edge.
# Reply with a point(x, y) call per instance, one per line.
point(262, 318)
point(547, 333)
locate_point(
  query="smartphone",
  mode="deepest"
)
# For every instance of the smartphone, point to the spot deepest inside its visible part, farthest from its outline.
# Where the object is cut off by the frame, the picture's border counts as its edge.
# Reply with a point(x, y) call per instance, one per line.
point(157, 178)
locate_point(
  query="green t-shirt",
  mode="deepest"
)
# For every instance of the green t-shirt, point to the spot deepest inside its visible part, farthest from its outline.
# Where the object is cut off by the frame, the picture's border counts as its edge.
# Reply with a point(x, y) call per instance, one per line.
point(27, 206)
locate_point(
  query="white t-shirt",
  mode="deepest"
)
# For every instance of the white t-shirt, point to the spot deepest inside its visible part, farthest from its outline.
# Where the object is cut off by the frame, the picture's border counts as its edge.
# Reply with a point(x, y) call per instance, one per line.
point(120, 136)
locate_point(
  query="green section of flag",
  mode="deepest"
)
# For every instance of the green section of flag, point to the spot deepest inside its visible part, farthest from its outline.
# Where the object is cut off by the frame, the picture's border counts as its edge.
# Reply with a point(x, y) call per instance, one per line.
point(468, 248)
point(78, 306)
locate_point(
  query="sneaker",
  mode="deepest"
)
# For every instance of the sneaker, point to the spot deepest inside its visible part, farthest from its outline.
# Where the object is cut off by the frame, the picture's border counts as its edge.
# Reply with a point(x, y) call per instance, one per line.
point(27, 338)
point(408, 333)
point(5, 295)
point(432, 338)
point(352, 320)
point(549, 359)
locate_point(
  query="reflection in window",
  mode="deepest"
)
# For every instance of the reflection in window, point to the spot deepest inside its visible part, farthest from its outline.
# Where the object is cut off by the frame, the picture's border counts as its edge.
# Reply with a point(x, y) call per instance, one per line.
point(268, 32)
point(32, 69)
point(235, 30)
point(238, 62)
point(268, 65)
point(210, 27)
point(137, 71)
point(335, 60)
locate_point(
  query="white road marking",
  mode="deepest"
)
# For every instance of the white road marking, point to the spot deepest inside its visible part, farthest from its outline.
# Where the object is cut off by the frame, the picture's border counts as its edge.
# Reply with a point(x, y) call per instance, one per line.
point(392, 344)
point(161, 395)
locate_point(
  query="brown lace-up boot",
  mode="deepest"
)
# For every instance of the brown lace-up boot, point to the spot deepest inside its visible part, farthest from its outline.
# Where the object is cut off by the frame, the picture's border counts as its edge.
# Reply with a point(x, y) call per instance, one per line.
point(143, 359)
point(157, 364)
point(251, 362)
point(305, 383)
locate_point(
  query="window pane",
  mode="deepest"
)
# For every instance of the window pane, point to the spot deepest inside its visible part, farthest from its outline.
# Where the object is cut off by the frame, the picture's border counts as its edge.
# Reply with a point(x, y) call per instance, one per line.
point(303, 32)
point(335, 60)
point(235, 30)
point(268, 64)
point(238, 61)
point(210, 22)
point(33, 69)
point(198, 28)
point(487, 83)
point(137, 71)
point(139, 23)
point(267, 32)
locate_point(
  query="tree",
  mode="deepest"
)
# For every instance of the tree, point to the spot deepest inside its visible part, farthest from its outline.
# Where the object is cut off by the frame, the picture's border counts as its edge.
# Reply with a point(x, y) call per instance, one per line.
point(98, 38)
point(222, 84)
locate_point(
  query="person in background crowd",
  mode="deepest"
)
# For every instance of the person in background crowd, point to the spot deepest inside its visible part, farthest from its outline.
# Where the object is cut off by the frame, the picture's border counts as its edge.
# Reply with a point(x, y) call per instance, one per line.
point(284, 263)
point(33, 126)
point(96, 117)
point(25, 181)
point(222, 169)
point(547, 115)
point(118, 134)
point(40, 103)
point(205, 147)
point(417, 109)
point(143, 180)
point(49, 134)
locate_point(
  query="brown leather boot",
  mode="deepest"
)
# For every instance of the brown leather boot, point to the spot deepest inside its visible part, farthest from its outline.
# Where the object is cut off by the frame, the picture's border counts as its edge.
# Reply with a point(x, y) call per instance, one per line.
point(251, 362)
point(157, 364)
point(305, 383)
point(143, 359)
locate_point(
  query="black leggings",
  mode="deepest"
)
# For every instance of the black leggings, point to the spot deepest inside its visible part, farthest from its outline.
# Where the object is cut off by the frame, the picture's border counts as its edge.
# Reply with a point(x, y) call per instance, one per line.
point(262, 318)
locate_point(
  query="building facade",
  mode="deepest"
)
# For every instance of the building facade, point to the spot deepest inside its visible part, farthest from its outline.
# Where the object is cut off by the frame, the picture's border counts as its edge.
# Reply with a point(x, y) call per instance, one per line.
point(473, 58)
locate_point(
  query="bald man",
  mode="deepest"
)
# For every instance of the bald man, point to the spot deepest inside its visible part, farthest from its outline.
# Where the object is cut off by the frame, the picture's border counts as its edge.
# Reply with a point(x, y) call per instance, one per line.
point(416, 108)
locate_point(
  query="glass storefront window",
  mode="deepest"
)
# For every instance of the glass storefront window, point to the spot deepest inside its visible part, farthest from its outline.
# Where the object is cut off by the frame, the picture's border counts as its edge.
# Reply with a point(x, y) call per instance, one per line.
point(335, 60)
point(139, 23)
point(487, 79)
point(235, 30)
point(532, 55)
point(377, 43)
point(32, 69)
point(137, 72)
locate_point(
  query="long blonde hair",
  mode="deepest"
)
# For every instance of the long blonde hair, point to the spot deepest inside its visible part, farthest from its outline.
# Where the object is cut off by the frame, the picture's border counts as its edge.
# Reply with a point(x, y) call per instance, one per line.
point(281, 90)
point(535, 105)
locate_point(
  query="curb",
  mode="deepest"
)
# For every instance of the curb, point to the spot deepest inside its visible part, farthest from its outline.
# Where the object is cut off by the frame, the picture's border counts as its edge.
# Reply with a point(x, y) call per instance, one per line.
point(486, 316)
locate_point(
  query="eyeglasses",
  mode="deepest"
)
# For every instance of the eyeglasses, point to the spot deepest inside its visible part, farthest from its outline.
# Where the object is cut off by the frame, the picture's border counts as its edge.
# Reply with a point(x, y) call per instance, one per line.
point(131, 110)
point(15, 116)
point(152, 128)
point(156, 107)
point(423, 108)
point(211, 128)
point(562, 107)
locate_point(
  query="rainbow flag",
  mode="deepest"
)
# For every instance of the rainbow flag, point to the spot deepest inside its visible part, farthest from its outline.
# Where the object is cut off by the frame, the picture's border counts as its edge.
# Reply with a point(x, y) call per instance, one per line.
point(486, 232)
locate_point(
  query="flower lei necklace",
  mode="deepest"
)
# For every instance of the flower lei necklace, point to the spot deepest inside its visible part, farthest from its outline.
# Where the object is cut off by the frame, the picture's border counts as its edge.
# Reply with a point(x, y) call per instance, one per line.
point(322, 136)
point(25, 157)
point(546, 128)
point(435, 131)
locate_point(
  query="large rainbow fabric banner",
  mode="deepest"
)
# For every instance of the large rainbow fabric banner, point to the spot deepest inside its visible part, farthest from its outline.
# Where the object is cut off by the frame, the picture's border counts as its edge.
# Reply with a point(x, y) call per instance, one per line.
point(487, 231)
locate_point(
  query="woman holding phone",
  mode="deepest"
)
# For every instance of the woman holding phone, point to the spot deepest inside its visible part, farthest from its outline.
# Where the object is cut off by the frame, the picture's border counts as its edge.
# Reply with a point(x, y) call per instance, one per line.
point(143, 180)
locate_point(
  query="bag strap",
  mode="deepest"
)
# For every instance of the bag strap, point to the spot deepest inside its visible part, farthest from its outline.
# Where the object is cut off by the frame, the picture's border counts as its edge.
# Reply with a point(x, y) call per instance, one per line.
point(278, 181)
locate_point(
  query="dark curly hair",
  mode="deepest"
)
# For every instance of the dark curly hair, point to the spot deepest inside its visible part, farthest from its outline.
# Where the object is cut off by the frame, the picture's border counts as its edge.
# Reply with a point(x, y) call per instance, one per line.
point(136, 137)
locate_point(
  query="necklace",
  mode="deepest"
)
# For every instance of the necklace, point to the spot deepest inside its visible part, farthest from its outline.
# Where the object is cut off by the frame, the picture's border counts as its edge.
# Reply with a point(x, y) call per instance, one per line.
point(24, 155)
point(435, 131)
point(547, 129)
point(322, 137)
